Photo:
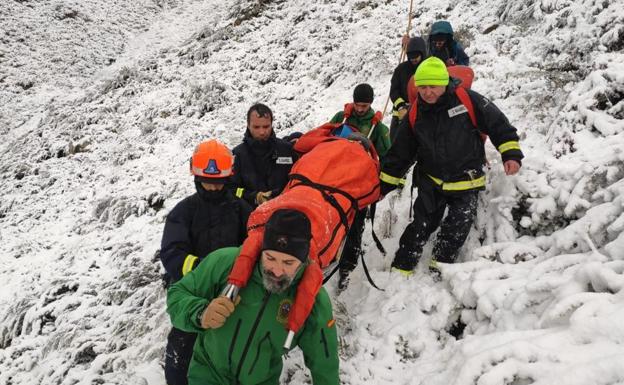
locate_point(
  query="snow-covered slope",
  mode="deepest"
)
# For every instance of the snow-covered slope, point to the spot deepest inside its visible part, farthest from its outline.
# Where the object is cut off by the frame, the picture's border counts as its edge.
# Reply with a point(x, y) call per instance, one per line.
point(101, 104)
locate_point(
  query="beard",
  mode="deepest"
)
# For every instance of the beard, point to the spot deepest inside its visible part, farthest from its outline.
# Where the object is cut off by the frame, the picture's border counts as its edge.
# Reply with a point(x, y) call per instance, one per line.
point(275, 284)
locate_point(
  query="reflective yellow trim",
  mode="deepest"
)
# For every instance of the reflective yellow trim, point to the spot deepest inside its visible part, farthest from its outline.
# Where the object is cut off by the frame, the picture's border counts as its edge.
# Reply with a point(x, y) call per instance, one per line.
point(189, 261)
point(460, 186)
point(398, 101)
point(511, 145)
point(395, 113)
point(391, 179)
point(433, 264)
point(239, 192)
point(405, 273)
point(436, 180)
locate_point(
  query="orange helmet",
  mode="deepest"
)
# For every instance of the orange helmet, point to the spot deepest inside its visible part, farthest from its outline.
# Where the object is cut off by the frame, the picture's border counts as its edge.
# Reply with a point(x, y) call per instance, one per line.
point(212, 162)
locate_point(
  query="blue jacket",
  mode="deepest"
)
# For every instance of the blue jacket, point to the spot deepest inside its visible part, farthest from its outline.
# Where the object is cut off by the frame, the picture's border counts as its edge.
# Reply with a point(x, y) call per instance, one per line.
point(198, 225)
point(452, 49)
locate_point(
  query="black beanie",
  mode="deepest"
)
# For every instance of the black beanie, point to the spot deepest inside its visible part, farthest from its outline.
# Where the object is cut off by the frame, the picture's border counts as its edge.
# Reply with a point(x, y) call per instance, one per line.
point(288, 231)
point(363, 93)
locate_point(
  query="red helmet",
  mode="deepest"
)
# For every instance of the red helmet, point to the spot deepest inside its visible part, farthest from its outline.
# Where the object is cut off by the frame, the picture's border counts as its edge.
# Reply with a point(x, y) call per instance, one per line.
point(212, 162)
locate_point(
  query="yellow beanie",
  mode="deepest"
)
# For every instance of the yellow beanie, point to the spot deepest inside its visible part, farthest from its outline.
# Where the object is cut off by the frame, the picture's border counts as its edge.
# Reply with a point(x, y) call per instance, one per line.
point(431, 72)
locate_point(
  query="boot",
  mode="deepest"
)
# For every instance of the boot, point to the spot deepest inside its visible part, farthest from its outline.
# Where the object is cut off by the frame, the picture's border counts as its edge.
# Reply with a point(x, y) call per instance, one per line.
point(434, 270)
point(404, 264)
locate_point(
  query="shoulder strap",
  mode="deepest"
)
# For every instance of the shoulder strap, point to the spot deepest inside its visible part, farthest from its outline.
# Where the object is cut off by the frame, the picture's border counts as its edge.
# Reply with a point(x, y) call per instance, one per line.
point(348, 110)
point(464, 98)
point(376, 119)
point(327, 193)
point(413, 112)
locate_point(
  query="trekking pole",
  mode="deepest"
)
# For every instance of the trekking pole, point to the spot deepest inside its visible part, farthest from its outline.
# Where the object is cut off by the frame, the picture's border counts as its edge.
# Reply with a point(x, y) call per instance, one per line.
point(403, 46)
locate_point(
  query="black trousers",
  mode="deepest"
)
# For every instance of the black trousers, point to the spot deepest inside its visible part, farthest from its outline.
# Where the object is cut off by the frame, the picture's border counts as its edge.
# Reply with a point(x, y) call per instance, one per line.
point(178, 356)
point(429, 209)
point(353, 245)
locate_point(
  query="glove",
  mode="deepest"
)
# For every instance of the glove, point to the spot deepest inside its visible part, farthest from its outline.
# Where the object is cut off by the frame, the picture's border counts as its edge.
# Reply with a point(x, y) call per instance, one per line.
point(217, 312)
point(263, 196)
point(404, 40)
point(402, 111)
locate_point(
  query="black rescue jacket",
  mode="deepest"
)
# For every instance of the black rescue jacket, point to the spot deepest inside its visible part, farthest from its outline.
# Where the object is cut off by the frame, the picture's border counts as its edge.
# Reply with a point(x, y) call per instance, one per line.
point(403, 74)
point(445, 144)
point(198, 225)
point(261, 166)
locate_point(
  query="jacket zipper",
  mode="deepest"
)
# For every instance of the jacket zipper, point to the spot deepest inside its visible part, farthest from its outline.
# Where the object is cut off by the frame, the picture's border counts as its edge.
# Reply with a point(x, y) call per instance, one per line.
point(265, 300)
point(255, 361)
point(238, 324)
point(324, 341)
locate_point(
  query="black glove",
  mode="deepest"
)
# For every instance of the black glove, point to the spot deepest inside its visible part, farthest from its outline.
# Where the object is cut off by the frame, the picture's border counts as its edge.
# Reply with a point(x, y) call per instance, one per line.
point(402, 105)
point(293, 137)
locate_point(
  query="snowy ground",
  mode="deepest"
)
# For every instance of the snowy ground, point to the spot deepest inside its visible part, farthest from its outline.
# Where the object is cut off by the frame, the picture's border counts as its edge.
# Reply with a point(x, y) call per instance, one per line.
point(102, 102)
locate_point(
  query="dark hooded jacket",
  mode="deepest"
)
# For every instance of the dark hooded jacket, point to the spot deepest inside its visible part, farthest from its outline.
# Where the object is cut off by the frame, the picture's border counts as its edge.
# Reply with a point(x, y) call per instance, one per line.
point(452, 49)
point(200, 224)
point(446, 145)
point(261, 166)
point(404, 72)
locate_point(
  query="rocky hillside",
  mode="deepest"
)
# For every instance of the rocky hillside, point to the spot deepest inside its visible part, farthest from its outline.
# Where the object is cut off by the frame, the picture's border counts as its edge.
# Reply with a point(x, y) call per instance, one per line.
point(101, 104)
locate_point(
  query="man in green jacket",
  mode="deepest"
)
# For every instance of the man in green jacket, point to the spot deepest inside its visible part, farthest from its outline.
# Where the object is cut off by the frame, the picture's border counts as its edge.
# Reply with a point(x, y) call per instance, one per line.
point(241, 341)
point(360, 119)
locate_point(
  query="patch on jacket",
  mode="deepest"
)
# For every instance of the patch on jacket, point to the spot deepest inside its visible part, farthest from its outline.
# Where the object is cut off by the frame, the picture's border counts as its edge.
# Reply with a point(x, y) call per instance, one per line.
point(284, 160)
point(283, 310)
point(461, 109)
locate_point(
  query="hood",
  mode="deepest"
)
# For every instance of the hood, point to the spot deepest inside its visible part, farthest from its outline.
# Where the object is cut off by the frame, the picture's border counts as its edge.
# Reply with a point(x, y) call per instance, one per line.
point(441, 27)
point(417, 44)
point(210, 196)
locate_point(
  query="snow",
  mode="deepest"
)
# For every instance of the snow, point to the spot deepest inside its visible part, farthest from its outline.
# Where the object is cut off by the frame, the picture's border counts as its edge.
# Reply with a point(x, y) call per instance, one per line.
point(101, 104)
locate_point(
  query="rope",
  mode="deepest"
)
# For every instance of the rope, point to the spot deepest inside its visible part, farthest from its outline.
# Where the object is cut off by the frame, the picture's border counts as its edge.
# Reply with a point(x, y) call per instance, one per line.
point(402, 55)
